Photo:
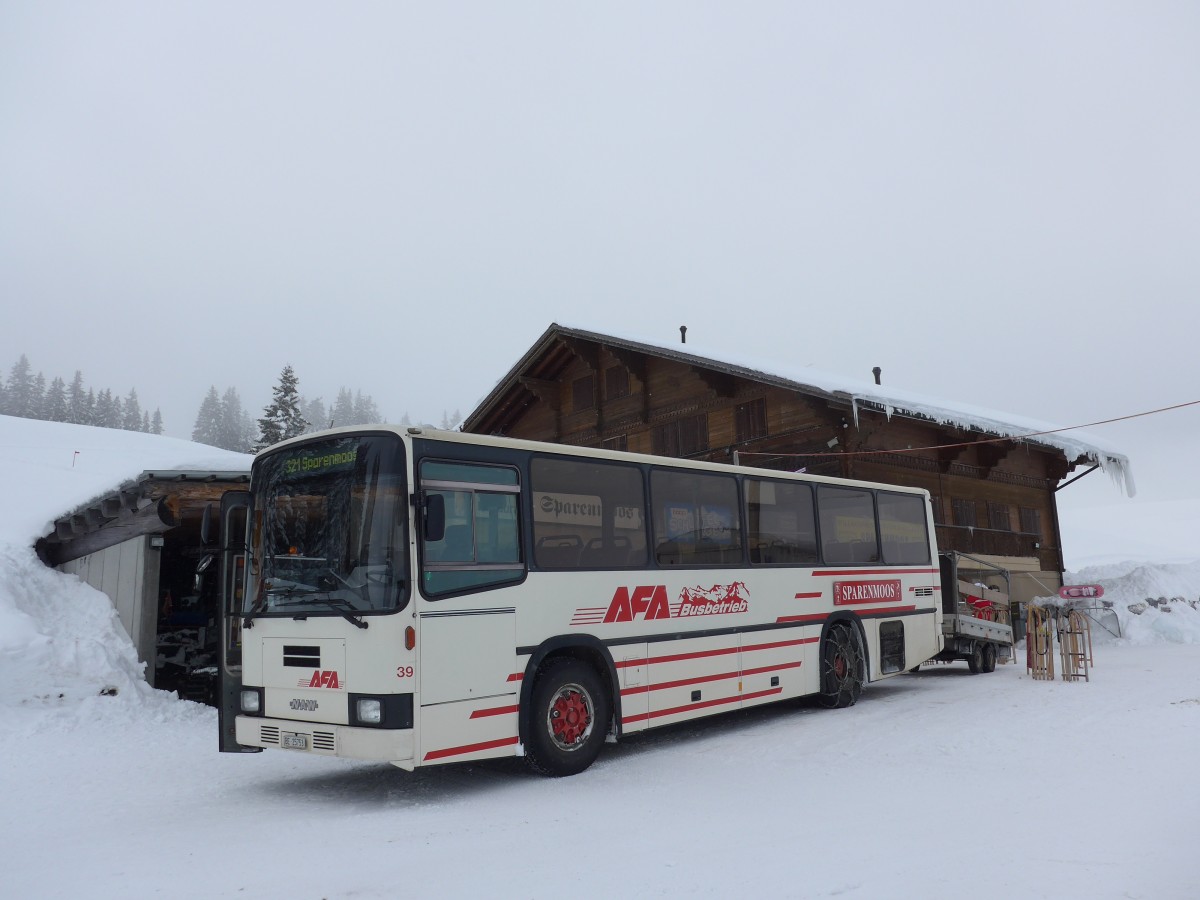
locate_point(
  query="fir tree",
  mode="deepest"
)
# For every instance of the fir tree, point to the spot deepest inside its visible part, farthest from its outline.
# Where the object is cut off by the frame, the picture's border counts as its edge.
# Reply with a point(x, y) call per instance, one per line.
point(207, 429)
point(342, 413)
point(156, 423)
point(18, 396)
point(131, 413)
point(56, 402)
point(145, 429)
point(281, 417)
point(108, 410)
point(237, 428)
point(77, 401)
point(37, 397)
point(89, 409)
point(365, 410)
point(314, 412)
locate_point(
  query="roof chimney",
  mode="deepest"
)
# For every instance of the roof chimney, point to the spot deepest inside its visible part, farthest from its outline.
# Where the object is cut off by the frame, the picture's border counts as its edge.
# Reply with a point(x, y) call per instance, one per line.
point(877, 372)
point(683, 334)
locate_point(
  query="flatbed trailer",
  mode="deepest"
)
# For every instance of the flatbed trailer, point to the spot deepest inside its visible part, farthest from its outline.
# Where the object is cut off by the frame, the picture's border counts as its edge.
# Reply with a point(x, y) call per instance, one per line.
point(976, 619)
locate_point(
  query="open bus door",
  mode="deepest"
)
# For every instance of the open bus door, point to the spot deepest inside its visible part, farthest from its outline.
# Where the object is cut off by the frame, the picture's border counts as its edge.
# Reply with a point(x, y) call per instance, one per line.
point(234, 506)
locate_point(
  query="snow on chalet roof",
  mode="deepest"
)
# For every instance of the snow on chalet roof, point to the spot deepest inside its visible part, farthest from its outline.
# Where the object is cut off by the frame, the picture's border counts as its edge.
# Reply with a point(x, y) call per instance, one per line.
point(892, 401)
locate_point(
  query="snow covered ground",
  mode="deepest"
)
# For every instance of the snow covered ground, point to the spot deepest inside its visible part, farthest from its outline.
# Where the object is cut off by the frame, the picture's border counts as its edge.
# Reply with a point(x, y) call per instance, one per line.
point(937, 784)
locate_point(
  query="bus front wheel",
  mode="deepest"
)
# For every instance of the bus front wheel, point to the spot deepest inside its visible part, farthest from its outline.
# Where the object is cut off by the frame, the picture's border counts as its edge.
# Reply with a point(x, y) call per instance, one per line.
point(568, 718)
point(842, 667)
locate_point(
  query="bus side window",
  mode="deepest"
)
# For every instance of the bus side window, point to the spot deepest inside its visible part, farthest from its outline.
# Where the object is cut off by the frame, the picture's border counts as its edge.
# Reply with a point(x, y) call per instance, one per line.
point(481, 546)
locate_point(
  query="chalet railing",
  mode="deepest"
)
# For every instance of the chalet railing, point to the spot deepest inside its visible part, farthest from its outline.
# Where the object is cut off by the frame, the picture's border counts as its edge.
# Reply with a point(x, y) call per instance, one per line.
point(989, 541)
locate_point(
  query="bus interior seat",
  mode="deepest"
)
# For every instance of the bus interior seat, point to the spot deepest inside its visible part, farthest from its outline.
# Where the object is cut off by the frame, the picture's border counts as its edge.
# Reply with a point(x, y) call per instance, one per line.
point(606, 555)
point(560, 551)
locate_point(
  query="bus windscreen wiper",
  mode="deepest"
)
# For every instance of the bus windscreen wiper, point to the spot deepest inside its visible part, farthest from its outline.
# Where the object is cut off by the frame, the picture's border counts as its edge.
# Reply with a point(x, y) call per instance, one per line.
point(343, 608)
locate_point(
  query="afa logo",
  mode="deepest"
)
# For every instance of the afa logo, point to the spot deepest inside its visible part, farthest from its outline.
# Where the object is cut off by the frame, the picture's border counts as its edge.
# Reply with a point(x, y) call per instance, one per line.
point(649, 602)
point(324, 678)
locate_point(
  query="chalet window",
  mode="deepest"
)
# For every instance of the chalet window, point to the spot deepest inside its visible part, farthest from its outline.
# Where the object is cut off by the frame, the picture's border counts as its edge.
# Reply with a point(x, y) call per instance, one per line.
point(1031, 521)
point(616, 382)
point(964, 512)
point(683, 437)
point(583, 393)
point(999, 518)
point(750, 420)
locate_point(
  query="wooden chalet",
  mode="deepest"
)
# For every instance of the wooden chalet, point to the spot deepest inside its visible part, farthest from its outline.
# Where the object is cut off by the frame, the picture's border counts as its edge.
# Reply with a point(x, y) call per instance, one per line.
point(993, 496)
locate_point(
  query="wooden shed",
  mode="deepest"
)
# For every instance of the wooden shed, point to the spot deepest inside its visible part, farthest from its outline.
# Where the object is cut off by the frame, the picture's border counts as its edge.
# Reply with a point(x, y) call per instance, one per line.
point(992, 477)
point(140, 544)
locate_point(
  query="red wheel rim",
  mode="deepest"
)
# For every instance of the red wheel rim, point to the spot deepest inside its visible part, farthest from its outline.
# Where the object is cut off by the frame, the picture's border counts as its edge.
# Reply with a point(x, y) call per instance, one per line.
point(570, 716)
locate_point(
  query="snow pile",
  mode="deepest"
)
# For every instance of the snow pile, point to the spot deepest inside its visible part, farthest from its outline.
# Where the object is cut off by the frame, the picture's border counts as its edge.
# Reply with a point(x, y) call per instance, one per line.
point(61, 643)
point(1153, 604)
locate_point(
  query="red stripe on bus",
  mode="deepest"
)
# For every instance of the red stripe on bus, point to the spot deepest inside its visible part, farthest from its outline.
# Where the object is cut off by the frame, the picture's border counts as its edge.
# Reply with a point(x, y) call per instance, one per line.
point(702, 679)
point(812, 617)
point(517, 676)
point(813, 596)
point(494, 711)
point(699, 654)
point(855, 572)
point(470, 748)
point(707, 703)
point(777, 644)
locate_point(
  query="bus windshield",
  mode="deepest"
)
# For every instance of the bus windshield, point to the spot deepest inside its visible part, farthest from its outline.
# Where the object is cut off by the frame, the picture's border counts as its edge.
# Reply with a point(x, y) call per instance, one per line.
point(328, 529)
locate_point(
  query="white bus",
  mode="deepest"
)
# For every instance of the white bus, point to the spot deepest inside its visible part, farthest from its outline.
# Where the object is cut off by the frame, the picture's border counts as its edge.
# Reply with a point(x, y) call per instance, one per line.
point(426, 597)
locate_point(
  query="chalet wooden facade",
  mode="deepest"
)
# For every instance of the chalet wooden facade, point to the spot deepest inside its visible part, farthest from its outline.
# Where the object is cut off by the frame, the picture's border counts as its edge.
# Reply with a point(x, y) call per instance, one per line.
point(993, 498)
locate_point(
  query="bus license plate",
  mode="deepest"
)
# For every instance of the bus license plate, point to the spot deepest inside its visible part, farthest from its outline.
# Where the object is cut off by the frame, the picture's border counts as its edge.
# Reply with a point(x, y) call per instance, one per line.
point(293, 742)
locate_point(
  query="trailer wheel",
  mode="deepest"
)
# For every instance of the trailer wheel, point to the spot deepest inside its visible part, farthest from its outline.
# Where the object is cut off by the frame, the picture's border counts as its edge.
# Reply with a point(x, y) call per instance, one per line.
point(975, 660)
point(568, 717)
point(842, 668)
point(989, 658)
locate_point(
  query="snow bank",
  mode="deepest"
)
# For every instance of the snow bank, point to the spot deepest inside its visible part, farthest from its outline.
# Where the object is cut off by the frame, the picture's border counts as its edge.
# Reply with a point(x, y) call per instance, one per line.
point(1153, 604)
point(64, 653)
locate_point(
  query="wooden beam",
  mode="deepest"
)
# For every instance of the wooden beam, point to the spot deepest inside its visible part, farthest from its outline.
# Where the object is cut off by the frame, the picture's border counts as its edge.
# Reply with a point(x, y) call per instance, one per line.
point(585, 351)
point(546, 391)
point(723, 384)
point(632, 362)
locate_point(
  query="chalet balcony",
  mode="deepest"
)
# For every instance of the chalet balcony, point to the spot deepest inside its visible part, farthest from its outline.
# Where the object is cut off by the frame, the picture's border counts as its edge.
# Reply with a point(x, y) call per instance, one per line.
point(988, 541)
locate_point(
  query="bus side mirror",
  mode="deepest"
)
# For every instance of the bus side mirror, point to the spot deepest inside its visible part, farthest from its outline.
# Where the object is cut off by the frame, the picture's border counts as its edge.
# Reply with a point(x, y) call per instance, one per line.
point(201, 568)
point(206, 535)
point(434, 518)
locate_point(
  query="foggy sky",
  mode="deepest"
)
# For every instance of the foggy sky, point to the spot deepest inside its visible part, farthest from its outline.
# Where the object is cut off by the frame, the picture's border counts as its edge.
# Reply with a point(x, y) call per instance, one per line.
point(997, 206)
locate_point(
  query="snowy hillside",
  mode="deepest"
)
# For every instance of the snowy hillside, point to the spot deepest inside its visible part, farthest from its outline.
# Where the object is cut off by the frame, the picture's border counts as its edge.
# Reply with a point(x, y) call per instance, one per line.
point(113, 789)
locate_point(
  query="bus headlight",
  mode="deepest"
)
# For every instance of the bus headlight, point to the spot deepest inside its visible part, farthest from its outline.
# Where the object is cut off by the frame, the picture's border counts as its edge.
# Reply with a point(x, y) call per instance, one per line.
point(251, 701)
point(369, 711)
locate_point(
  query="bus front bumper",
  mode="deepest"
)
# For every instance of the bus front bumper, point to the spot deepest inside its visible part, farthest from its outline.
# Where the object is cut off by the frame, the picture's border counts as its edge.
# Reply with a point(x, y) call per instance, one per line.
point(394, 745)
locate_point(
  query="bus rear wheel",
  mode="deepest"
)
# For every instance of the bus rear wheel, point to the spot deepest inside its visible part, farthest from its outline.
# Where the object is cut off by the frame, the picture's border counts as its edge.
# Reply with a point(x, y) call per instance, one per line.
point(842, 668)
point(568, 718)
